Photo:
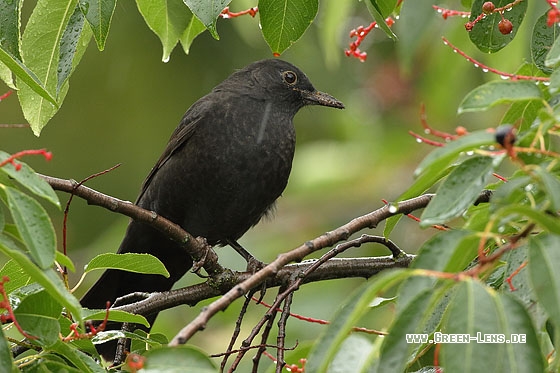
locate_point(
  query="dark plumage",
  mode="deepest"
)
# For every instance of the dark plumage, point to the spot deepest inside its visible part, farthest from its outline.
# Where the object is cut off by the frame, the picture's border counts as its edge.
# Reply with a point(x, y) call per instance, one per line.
point(224, 167)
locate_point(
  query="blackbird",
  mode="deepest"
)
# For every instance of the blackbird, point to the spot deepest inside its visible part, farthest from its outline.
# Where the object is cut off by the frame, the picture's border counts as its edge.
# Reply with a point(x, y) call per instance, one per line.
point(223, 169)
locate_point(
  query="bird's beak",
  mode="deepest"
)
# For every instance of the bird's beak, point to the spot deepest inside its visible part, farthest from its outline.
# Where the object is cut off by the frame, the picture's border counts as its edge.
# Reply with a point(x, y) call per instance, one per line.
point(321, 98)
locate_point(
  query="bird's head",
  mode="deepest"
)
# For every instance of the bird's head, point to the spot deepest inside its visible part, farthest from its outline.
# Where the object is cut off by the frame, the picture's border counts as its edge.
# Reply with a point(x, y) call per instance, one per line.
point(282, 81)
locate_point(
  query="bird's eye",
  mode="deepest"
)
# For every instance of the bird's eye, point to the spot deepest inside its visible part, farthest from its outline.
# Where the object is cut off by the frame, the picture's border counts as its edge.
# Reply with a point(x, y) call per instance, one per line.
point(289, 77)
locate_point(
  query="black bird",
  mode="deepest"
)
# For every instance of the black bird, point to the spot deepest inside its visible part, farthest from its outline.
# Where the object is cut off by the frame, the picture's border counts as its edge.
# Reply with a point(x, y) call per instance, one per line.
point(223, 169)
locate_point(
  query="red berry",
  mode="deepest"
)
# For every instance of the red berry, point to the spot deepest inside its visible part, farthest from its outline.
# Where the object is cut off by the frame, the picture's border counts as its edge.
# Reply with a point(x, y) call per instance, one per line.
point(488, 7)
point(461, 131)
point(505, 26)
point(553, 17)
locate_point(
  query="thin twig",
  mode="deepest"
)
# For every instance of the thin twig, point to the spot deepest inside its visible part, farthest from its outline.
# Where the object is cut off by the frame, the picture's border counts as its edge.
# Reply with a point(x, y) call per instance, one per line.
point(281, 339)
point(236, 330)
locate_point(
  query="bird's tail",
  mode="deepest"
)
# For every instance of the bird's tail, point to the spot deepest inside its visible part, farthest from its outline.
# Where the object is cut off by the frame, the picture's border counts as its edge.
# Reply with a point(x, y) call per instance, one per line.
point(113, 284)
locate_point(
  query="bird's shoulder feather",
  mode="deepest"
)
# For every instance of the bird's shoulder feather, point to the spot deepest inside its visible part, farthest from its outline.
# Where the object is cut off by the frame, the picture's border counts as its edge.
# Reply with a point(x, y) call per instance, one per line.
point(184, 131)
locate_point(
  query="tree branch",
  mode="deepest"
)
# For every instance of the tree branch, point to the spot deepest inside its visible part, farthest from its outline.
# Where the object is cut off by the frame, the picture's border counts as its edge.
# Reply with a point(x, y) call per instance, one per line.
point(196, 248)
point(326, 240)
point(232, 285)
point(332, 269)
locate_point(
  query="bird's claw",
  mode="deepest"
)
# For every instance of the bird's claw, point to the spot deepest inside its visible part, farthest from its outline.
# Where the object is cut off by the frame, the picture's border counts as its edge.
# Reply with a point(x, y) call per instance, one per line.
point(199, 264)
point(254, 265)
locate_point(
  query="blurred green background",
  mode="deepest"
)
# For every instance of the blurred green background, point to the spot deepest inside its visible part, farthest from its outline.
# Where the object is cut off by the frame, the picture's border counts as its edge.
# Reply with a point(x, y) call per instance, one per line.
point(124, 103)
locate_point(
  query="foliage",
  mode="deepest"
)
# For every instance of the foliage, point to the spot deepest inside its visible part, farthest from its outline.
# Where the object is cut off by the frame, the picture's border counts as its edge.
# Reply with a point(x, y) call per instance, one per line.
point(487, 275)
point(44, 56)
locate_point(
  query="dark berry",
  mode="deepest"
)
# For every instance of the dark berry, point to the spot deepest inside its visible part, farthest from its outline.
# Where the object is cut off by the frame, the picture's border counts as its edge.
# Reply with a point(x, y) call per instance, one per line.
point(505, 136)
point(505, 26)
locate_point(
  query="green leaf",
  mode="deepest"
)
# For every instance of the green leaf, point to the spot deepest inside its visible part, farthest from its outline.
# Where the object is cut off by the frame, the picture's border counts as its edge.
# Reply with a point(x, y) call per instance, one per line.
point(520, 279)
point(27, 178)
point(482, 314)
point(40, 50)
point(68, 47)
point(25, 75)
point(9, 26)
point(116, 315)
point(423, 182)
point(34, 225)
point(18, 278)
point(523, 111)
point(83, 362)
point(512, 192)
point(153, 339)
point(542, 40)
point(36, 301)
point(194, 29)
point(357, 305)
point(486, 34)
point(9, 36)
point(544, 259)
point(11, 229)
point(47, 278)
point(416, 317)
point(417, 15)
point(142, 339)
point(132, 262)
point(167, 19)
point(99, 13)
point(283, 22)
point(551, 185)
point(178, 359)
point(50, 363)
point(449, 251)
point(435, 166)
point(390, 224)
point(499, 92)
point(380, 11)
point(442, 157)
point(6, 360)
point(64, 261)
point(208, 12)
point(38, 315)
point(352, 355)
point(384, 7)
point(553, 57)
point(546, 221)
point(554, 86)
point(6, 75)
point(458, 191)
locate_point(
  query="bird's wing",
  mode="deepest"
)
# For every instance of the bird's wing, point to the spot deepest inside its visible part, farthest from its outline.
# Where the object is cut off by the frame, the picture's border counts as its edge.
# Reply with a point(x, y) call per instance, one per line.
point(179, 137)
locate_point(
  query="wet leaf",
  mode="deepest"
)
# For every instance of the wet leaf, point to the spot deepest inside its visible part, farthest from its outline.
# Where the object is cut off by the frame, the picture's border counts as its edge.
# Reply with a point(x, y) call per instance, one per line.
point(485, 33)
point(542, 40)
point(458, 191)
point(167, 19)
point(98, 13)
point(499, 92)
point(283, 22)
point(208, 12)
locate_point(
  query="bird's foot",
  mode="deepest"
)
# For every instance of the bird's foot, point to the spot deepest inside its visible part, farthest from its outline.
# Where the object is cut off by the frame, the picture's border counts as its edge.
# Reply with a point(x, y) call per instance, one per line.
point(197, 265)
point(254, 265)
